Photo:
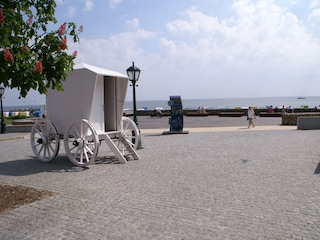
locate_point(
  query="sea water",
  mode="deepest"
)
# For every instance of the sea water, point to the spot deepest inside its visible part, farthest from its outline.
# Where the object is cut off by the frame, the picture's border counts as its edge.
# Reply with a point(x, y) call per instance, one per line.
point(214, 103)
point(231, 103)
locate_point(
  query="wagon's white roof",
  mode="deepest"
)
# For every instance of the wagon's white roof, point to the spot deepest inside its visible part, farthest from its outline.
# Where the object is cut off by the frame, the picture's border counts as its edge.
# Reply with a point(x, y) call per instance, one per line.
point(99, 71)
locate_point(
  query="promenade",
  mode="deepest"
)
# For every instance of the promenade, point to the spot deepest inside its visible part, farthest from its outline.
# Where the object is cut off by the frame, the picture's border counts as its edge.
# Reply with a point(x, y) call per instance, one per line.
point(220, 181)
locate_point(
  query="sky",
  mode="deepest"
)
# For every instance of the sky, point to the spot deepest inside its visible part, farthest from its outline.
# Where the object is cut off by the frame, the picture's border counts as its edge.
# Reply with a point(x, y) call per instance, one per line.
point(199, 48)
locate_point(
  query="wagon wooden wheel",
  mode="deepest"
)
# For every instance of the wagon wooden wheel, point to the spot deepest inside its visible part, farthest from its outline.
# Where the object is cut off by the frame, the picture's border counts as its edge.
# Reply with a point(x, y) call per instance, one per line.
point(130, 132)
point(45, 140)
point(81, 143)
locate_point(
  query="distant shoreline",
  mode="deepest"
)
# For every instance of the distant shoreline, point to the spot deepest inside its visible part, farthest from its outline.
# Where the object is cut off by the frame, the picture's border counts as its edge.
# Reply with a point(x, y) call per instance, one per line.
point(211, 104)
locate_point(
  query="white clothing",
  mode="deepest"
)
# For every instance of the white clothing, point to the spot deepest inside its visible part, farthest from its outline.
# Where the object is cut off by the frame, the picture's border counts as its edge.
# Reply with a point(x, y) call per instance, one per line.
point(251, 113)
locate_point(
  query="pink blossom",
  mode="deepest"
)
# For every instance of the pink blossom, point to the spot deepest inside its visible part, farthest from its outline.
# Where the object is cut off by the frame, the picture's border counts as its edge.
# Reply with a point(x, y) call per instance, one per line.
point(62, 29)
point(2, 17)
point(75, 54)
point(30, 20)
point(38, 67)
point(63, 44)
point(7, 55)
point(81, 28)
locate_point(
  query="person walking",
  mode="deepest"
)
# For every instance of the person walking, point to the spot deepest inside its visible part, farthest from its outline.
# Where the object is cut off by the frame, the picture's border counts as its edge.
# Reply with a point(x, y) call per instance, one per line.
point(251, 116)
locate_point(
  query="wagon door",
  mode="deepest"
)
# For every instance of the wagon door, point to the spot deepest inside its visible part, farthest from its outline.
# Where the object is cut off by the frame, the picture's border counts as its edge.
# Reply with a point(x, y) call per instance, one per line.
point(110, 95)
point(115, 89)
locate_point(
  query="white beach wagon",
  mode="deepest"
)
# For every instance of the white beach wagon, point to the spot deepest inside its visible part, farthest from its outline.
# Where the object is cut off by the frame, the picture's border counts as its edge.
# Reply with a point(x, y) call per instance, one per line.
point(87, 112)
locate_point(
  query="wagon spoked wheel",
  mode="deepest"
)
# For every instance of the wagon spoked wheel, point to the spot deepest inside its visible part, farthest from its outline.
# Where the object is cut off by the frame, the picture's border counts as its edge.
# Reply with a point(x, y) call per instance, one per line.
point(45, 140)
point(131, 132)
point(81, 143)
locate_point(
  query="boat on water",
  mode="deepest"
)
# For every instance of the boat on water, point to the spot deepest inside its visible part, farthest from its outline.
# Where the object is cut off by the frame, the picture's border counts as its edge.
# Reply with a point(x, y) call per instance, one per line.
point(301, 98)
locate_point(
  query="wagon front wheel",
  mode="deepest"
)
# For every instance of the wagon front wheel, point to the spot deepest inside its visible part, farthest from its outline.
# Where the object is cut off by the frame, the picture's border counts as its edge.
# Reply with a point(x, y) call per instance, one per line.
point(45, 140)
point(81, 143)
point(131, 132)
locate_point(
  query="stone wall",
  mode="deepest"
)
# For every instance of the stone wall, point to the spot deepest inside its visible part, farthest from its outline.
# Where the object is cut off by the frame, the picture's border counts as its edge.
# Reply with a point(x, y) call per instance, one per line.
point(218, 111)
point(291, 118)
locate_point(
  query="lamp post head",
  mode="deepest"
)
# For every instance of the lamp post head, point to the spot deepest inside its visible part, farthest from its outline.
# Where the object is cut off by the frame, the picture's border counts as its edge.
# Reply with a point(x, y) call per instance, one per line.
point(2, 90)
point(133, 73)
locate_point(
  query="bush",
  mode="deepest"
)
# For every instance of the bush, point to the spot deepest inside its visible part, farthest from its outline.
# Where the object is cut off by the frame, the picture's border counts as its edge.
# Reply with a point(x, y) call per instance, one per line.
point(18, 117)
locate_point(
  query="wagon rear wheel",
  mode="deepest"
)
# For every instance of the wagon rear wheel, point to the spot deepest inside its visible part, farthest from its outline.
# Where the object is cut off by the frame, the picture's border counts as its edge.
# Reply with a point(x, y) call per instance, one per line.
point(131, 132)
point(45, 140)
point(81, 143)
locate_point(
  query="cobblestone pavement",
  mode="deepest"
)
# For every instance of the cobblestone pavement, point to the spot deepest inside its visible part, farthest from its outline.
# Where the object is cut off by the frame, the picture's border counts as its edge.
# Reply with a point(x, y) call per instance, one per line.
point(241, 184)
point(146, 122)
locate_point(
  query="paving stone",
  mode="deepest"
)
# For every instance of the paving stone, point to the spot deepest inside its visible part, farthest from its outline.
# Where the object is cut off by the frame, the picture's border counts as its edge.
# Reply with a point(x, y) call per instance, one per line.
point(203, 185)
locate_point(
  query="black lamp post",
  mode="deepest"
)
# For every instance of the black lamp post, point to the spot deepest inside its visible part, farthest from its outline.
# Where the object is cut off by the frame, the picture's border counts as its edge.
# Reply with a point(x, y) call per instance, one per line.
point(3, 124)
point(133, 74)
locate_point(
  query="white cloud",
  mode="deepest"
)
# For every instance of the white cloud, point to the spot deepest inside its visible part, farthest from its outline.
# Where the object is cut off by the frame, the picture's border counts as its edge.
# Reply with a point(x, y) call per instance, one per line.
point(262, 45)
point(315, 3)
point(88, 5)
point(314, 17)
point(114, 3)
point(294, 2)
point(261, 30)
point(195, 23)
point(132, 24)
point(72, 11)
point(60, 2)
point(114, 49)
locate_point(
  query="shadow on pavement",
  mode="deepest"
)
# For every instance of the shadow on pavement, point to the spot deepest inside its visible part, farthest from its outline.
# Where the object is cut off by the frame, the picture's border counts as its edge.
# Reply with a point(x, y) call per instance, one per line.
point(31, 166)
point(23, 167)
point(317, 171)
